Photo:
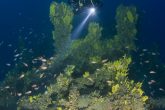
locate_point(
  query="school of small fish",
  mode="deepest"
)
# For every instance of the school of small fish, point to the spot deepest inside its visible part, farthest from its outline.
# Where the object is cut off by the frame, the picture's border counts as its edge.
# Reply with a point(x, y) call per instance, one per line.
point(152, 71)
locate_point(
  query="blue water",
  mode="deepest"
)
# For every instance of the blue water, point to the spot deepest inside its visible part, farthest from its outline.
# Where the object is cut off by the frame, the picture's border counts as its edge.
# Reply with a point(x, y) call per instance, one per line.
point(26, 23)
point(18, 18)
point(151, 20)
point(30, 20)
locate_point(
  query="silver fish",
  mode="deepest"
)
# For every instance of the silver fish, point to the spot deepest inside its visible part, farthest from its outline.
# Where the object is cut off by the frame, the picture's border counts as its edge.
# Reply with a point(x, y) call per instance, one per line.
point(41, 75)
point(28, 92)
point(161, 89)
point(25, 64)
point(152, 72)
point(104, 61)
point(19, 94)
point(8, 64)
point(7, 87)
point(36, 88)
point(34, 85)
point(147, 61)
point(144, 50)
point(22, 76)
point(153, 53)
point(43, 67)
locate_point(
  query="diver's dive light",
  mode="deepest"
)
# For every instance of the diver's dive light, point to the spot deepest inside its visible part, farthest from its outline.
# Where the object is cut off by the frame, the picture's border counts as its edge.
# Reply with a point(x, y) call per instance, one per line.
point(92, 11)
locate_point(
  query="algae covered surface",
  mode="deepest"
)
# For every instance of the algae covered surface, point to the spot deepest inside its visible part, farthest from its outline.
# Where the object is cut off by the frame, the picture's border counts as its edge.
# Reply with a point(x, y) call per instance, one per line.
point(87, 73)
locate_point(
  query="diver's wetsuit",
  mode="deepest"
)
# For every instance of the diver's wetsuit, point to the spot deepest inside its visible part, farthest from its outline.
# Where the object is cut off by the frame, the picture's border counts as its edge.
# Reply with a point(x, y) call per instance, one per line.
point(79, 5)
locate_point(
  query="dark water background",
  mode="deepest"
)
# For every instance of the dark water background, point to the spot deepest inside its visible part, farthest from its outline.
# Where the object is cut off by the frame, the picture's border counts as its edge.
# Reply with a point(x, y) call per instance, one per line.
point(29, 20)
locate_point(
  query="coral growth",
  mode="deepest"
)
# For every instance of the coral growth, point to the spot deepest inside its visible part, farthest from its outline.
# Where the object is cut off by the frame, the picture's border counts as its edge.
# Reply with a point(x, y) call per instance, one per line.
point(79, 52)
point(61, 17)
point(108, 88)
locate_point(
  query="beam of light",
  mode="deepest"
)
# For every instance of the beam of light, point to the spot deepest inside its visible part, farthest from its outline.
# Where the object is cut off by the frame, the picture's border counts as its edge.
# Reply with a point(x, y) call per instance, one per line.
point(77, 31)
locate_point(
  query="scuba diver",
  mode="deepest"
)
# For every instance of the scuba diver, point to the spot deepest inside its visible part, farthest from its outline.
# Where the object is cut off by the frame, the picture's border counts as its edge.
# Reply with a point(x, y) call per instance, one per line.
point(79, 5)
